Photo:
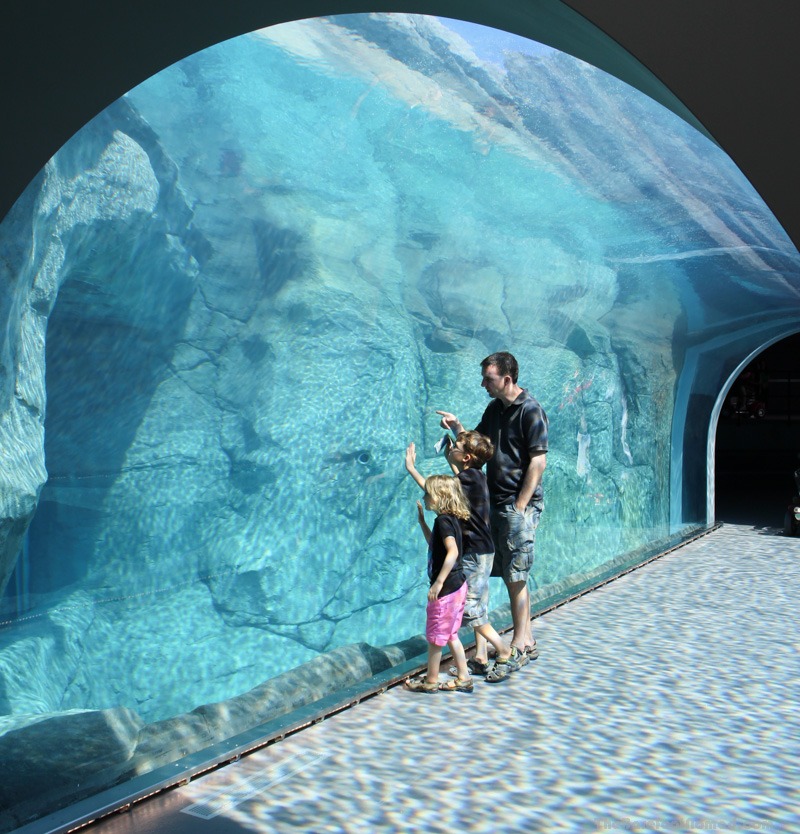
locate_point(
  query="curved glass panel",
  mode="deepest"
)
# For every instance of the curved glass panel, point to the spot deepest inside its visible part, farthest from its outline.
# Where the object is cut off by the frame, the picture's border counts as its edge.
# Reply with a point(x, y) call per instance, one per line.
point(236, 295)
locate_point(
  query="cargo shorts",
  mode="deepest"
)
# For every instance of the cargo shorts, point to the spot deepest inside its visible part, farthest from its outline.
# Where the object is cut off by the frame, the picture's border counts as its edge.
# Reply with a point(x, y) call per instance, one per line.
point(514, 535)
point(477, 569)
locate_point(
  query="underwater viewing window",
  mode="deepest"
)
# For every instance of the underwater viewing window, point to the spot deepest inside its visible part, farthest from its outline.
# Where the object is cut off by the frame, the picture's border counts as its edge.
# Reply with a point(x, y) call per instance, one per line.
point(235, 296)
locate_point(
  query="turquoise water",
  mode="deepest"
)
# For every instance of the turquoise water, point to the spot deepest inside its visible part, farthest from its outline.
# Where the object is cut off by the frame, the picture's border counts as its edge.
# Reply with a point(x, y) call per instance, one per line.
point(262, 272)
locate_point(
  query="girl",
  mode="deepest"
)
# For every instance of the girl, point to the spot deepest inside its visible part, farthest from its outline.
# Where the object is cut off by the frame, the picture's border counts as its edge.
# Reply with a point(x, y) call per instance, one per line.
point(466, 458)
point(448, 591)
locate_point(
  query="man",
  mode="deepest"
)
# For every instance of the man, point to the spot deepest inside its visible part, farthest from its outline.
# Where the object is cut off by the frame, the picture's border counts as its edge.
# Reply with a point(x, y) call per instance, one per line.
point(517, 425)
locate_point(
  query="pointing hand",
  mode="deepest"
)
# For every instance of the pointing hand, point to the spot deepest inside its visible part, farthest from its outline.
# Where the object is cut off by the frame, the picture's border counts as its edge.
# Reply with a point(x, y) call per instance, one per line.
point(448, 421)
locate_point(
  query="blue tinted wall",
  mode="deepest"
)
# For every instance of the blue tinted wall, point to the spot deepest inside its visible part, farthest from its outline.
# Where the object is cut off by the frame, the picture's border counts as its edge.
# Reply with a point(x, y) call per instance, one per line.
point(235, 296)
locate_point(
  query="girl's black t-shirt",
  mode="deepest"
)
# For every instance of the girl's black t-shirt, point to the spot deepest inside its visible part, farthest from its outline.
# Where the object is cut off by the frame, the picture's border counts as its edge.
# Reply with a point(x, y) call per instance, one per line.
point(444, 526)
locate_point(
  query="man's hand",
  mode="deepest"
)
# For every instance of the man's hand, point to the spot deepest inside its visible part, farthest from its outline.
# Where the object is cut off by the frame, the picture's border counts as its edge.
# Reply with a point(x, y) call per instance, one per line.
point(434, 591)
point(411, 457)
point(449, 421)
point(531, 479)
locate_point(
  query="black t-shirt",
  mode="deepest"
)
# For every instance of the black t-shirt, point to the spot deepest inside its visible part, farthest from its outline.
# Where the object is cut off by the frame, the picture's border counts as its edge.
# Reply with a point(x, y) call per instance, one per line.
point(477, 530)
point(444, 526)
point(516, 431)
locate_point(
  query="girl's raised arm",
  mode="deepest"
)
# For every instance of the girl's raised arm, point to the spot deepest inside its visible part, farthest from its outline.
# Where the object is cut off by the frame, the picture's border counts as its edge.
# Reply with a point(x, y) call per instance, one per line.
point(411, 465)
point(426, 531)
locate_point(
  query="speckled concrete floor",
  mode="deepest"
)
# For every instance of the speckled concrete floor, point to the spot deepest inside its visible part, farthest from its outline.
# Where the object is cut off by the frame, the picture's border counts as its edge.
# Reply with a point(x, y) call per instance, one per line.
point(667, 700)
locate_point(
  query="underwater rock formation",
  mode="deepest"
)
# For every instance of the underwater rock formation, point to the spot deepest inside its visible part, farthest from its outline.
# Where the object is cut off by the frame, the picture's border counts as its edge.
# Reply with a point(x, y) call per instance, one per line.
point(260, 275)
point(112, 183)
point(72, 754)
point(63, 757)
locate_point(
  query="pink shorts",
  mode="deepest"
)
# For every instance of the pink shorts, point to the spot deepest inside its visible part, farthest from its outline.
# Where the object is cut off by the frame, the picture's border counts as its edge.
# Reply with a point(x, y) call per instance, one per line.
point(444, 617)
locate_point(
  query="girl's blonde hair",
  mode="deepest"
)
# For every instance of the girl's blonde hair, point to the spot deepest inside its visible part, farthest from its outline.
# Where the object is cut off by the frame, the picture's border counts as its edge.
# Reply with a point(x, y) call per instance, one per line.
point(447, 497)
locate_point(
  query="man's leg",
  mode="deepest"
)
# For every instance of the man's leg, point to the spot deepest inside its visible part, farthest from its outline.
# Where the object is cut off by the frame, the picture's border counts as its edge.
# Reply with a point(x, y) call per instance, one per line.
point(520, 601)
point(520, 538)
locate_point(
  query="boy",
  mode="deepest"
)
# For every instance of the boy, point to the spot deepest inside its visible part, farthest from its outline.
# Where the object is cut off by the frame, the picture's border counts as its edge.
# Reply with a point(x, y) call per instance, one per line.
point(466, 457)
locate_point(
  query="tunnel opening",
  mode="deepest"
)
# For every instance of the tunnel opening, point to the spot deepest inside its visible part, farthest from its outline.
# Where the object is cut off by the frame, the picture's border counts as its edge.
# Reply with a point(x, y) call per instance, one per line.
point(758, 439)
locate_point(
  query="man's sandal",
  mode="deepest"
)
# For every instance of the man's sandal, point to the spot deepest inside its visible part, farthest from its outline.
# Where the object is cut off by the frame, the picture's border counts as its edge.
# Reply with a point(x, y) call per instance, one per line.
point(421, 685)
point(532, 652)
point(457, 685)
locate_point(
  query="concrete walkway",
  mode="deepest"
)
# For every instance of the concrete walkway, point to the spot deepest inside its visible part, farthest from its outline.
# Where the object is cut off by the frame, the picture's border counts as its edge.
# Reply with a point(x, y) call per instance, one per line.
point(667, 700)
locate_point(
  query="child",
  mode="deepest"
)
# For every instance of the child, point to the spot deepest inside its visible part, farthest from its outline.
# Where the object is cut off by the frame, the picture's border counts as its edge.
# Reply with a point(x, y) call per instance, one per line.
point(466, 457)
point(448, 590)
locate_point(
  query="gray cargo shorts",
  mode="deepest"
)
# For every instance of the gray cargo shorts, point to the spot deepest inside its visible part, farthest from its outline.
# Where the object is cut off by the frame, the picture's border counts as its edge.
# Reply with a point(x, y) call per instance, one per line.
point(477, 569)
point(514, 535)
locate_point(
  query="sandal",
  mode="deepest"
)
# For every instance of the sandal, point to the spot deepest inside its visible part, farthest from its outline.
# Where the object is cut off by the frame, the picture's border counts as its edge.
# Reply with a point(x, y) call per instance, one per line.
point(532, 652)
point(503, 668)
point(421, 685)
point(521, 656)
point(475, 666)
point(457, 685)
point(478, 667)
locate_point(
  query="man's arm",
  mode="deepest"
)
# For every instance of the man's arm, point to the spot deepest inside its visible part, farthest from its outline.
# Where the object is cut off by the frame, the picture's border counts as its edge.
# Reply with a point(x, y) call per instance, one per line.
point(532, 479)
point(411, 460)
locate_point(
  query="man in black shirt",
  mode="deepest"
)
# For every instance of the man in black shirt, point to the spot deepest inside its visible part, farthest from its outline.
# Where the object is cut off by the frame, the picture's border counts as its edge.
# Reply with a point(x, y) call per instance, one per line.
point(517, 426)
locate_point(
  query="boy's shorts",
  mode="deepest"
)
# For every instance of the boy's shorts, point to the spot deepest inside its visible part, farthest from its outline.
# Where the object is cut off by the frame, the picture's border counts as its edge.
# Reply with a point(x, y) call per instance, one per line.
point(444, 617)
point(477, 569)
point(514, 535)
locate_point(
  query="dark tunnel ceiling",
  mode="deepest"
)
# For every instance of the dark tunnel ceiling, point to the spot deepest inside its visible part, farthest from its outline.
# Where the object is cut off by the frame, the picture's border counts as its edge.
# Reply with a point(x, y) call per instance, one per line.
point(732, 63)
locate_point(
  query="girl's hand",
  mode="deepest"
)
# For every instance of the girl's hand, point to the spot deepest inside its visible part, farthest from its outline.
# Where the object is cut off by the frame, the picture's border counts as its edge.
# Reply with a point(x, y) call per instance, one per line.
point(420, 512)
point(411, 456)
point(434, 591)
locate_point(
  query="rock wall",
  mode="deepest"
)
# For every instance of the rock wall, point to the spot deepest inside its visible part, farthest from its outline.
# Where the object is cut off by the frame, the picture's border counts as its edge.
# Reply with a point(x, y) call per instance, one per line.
point(260, 275)
point(101, 191)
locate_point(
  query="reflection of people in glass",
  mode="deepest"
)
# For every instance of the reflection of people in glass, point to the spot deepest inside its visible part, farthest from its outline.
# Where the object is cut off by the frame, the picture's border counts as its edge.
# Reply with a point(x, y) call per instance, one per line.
point(466, 458)
point(517, 426)
point(448, 591)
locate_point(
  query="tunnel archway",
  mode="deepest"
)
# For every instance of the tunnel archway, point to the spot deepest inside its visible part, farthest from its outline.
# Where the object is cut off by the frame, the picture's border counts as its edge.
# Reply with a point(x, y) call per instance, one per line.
point(754, 438)
point(622, 309)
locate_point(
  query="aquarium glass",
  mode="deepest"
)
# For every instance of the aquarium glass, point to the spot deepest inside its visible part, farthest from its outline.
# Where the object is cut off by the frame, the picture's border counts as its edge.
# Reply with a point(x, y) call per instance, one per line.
point(233, 299)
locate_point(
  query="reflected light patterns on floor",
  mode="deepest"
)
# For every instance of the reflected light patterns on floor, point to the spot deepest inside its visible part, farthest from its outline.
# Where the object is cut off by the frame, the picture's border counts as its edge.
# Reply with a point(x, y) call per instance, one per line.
point(667, 698)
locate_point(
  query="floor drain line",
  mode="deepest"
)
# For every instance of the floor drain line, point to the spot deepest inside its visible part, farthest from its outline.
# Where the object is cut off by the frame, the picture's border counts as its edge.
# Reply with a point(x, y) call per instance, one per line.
point(228, 798)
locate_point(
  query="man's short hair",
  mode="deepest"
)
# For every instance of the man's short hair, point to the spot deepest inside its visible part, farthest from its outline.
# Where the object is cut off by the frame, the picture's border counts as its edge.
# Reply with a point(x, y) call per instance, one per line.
point(505, 363)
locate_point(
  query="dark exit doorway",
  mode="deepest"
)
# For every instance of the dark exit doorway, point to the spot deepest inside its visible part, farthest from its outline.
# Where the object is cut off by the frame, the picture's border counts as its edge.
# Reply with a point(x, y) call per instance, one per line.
point(758, 439)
